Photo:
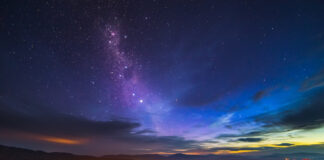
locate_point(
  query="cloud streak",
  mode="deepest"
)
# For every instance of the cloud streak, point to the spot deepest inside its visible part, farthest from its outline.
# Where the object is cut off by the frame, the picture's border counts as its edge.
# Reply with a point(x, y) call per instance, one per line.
point(249, 139)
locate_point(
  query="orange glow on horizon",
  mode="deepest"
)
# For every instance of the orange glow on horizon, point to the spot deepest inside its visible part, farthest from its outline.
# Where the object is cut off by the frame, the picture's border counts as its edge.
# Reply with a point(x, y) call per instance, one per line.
point(39, 137)
point(162, 153)
point(194, 153)
point(60, 140)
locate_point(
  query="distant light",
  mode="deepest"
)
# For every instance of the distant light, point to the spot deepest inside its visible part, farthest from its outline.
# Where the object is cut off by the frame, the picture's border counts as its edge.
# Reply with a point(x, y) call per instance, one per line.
point(141, 101)
point(133, 94)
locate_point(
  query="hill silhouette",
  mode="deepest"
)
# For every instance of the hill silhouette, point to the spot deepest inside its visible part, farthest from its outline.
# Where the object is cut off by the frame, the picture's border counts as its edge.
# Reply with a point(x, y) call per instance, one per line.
point(14, 153)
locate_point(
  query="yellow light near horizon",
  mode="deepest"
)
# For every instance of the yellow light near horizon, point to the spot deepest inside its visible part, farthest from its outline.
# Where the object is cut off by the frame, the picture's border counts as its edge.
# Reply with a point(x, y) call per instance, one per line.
point(180, 150)
point(233, 152)
point(295, 137)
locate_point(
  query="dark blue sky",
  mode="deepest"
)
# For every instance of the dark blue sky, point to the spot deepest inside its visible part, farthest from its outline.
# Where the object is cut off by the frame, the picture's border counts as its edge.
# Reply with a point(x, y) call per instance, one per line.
point(162, 76)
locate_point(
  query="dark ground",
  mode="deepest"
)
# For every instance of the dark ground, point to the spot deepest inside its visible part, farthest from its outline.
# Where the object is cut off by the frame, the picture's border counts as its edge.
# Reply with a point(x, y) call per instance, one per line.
point(13, 153)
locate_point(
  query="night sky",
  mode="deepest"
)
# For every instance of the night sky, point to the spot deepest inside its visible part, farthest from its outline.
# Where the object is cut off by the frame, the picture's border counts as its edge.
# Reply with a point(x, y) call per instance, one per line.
point(133, 77)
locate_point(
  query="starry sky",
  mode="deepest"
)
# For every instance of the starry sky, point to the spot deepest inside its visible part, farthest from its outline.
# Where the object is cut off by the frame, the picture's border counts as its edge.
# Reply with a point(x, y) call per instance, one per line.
point(134, 77)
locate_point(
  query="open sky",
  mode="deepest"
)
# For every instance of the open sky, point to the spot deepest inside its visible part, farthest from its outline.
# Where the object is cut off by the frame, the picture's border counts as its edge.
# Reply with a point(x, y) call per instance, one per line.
point(133, 77)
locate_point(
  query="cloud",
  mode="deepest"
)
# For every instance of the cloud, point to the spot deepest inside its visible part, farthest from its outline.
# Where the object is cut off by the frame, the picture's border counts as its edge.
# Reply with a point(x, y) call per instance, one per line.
point(316, 148)
point(62, 125)
point(269, 151)
point(259, 95)
point(248, 134)
point(145, 131)
point(215, 149)
point(263, 93)
point(228, 135)
point(304, 114)
point(250, 139)
point(307, 115)
point(285, 144)
point(170, 142)
point(316, 81)
point(115, 136)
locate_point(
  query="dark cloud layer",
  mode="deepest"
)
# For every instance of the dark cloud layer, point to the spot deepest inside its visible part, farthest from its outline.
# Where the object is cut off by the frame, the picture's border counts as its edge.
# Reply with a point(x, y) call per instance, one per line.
point(215, 149)
point(243, 135)
point(250, 139)
point(310, 116)
point(285, 144)
point(50, 123)
point(307, 114)
point(304, 114)
point(259, 95)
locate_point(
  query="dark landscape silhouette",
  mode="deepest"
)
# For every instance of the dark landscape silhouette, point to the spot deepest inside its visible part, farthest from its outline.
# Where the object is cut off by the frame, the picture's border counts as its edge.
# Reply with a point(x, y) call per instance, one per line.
point(13, 153)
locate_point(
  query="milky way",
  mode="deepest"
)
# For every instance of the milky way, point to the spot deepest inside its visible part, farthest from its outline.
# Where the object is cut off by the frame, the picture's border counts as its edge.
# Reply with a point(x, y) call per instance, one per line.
point(132, 94)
